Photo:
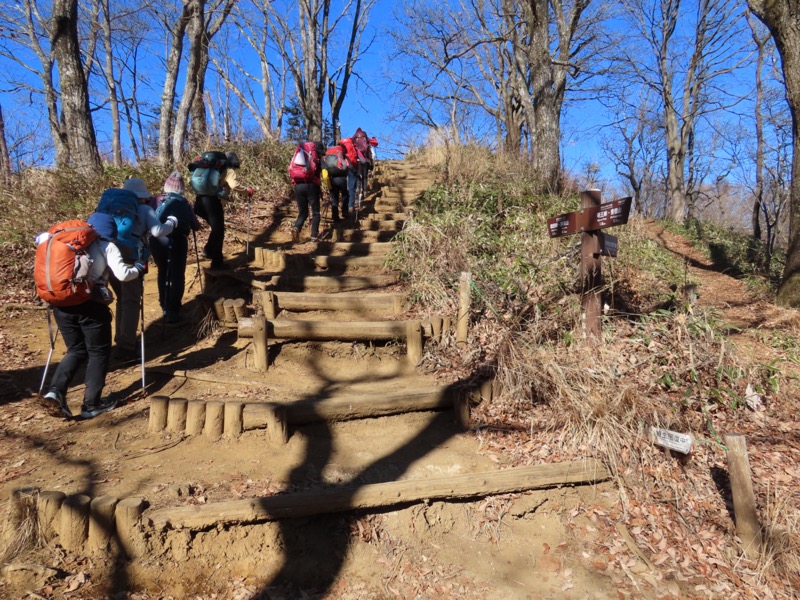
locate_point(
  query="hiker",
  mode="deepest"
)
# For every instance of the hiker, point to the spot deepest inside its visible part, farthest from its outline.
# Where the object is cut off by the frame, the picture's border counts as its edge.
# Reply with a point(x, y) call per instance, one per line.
point(336, 164)
point(170, 252)
point(86, 327)
point(213, 180)
point(352, 173)
point(305, 172)
point(130, 293)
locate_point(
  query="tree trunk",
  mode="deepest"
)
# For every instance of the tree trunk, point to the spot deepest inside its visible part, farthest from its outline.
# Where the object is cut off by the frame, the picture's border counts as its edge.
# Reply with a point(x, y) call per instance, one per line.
point(165, 156)
point(113, 100)
point(783, 20)
point(77, 130)
point(197, 35)
point(5, 158)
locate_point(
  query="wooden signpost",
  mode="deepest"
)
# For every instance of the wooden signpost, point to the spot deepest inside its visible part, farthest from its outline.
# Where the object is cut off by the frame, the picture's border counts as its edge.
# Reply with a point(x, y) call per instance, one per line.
point(589, 221)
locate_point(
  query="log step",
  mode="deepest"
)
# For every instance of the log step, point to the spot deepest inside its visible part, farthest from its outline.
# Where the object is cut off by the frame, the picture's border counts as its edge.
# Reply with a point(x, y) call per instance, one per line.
point(354, 248)
point(326, 330)
point(304, 301)
point(257, 415)
point(300, 283)
point(349, 497)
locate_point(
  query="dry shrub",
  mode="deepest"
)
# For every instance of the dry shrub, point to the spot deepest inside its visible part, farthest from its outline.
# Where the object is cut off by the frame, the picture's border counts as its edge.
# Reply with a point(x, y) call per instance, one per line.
point(20, 530)
point(781, 537)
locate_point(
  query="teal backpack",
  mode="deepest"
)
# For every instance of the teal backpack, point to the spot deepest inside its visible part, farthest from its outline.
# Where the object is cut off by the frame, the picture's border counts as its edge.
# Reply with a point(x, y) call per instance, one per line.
point(206, 174)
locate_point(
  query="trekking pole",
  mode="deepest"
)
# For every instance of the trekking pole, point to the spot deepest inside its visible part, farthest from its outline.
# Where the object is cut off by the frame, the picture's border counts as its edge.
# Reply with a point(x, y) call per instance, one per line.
point(197, 256)
point(167, 292)
point(249, 202)
point(144, 391)
point(53, 338)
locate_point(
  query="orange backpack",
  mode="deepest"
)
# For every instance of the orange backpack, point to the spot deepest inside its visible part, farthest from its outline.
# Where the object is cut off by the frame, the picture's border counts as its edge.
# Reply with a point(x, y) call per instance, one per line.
point(62, 265)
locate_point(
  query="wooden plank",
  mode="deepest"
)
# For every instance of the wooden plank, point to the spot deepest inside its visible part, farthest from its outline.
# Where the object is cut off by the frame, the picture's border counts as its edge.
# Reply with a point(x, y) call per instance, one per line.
point(375, 495)
point(355, 248)
point(354, 407)
point(302, 301)
point(327, 261)
point(327, 330)
point(299, 283)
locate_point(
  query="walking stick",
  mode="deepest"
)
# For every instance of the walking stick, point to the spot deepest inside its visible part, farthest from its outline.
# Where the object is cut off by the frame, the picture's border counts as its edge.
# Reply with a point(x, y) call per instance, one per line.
point(144, 391)
point(53, 338)
point(249, 202)
point(197, 256)
point(167, 290)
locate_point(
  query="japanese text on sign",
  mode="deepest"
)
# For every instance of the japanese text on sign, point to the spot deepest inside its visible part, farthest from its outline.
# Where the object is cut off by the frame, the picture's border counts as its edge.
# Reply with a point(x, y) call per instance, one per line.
point(680, 442)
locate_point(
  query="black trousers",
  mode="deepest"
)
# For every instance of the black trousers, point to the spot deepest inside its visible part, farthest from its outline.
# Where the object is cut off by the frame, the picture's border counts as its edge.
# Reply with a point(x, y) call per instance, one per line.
point(339, 194)
point(171, 263)
point(307, 196)
point(86, 330)
point(210, 209)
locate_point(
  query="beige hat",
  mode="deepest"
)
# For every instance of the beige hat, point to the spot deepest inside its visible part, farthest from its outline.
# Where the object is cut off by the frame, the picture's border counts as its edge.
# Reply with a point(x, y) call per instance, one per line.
point(138, 187)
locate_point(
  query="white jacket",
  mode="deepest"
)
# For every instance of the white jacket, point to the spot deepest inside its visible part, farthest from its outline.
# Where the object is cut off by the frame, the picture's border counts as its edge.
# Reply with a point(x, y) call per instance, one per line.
point(106, 258)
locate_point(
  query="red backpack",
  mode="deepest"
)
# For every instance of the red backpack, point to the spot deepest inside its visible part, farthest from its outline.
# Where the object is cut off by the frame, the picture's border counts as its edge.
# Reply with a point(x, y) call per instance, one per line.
point(62, 265)
point(304, 167)
point(350, 150)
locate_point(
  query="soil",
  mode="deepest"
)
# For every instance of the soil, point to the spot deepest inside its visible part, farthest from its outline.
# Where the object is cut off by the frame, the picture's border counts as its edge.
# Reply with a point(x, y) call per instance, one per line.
point(565, 542)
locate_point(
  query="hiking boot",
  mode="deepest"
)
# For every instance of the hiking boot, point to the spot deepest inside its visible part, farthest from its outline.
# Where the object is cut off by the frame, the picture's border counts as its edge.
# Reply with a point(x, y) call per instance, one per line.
point(58, 398)
point(172, 317)
point(295, 235)
point(220, 265)
point(125, 354)
point(90, 411)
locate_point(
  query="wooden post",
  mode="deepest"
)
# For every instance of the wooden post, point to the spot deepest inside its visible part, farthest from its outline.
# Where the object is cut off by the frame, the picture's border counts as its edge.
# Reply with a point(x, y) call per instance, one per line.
point(414, 342)
point(277, 424)
point(239, 308)
point(462, 408)
point(176, 415)
point(48, 505)
point(219, 309)
point(260, 344)
point(157, 421)
point(744, 500)
point(591, 274)
point(214, 420)
point(436, 324)
point(258, 256)
point(234, 419)
point(128, 516)
point(101, 525)
point(195, 417)
point(74, 522)
point(486, 390)
point(230, 314)
point(464, 293)
point(268, 300)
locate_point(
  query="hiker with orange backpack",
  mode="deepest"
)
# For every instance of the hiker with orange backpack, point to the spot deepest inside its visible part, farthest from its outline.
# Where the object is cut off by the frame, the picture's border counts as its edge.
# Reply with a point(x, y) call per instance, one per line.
point(305, 170)
point(79, 299)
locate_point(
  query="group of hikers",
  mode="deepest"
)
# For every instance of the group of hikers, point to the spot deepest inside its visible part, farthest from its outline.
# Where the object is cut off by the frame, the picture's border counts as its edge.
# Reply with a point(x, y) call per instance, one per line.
point(81, 265)
point(340, 173)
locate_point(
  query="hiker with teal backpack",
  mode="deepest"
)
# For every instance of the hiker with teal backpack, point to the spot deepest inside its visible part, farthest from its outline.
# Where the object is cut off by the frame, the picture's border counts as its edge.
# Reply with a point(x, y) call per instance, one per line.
point(336, 163)
point(305, 170)
point(81, 309)
point(170, 252)
point(213, 180)
point(135, 220)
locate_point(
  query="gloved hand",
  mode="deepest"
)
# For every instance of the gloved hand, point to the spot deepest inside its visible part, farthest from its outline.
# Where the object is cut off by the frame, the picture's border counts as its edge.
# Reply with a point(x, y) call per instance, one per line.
point(141, 267)
point(172, 219)
point(250, 192)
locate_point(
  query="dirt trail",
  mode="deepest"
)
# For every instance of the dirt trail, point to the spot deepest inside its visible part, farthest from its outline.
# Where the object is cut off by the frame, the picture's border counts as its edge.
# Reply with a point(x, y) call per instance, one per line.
point(531, 545)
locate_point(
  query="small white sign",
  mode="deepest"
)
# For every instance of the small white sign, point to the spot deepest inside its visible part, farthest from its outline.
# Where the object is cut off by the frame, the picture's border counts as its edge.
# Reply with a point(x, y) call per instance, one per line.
point(680, 442)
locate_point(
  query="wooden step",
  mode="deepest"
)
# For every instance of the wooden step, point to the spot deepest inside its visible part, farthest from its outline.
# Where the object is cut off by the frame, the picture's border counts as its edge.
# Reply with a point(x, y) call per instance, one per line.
point(327, 331)
point(355, 248)
point(310, 283)
point(391, 303)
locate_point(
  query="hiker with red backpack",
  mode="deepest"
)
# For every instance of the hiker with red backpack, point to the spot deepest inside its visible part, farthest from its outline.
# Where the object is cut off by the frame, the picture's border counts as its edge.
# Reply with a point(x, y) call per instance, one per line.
point(336, 164)
point(305, 170)
point(352, 173)
point(213, 180)
point(79, 301)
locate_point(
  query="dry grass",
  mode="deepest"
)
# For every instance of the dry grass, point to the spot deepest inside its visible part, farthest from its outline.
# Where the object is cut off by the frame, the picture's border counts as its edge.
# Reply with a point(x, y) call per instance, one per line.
point(20, 529)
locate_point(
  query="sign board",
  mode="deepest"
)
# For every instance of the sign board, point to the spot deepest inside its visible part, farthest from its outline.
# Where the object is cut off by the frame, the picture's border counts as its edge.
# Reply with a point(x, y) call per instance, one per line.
point(593, 218)
point(680, 442)
point(608, 214)
point(602, 244)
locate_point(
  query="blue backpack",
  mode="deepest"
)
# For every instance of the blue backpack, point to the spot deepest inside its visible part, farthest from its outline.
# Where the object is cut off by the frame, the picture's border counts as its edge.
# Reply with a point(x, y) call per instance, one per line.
point(175, 205)
point(123, 206)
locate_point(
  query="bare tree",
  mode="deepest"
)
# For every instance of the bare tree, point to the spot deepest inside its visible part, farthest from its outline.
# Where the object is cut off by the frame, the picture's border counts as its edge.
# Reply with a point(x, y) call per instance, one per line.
point(686, 50)
point(77, 130)
point(5, 158)
point(783, 20)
